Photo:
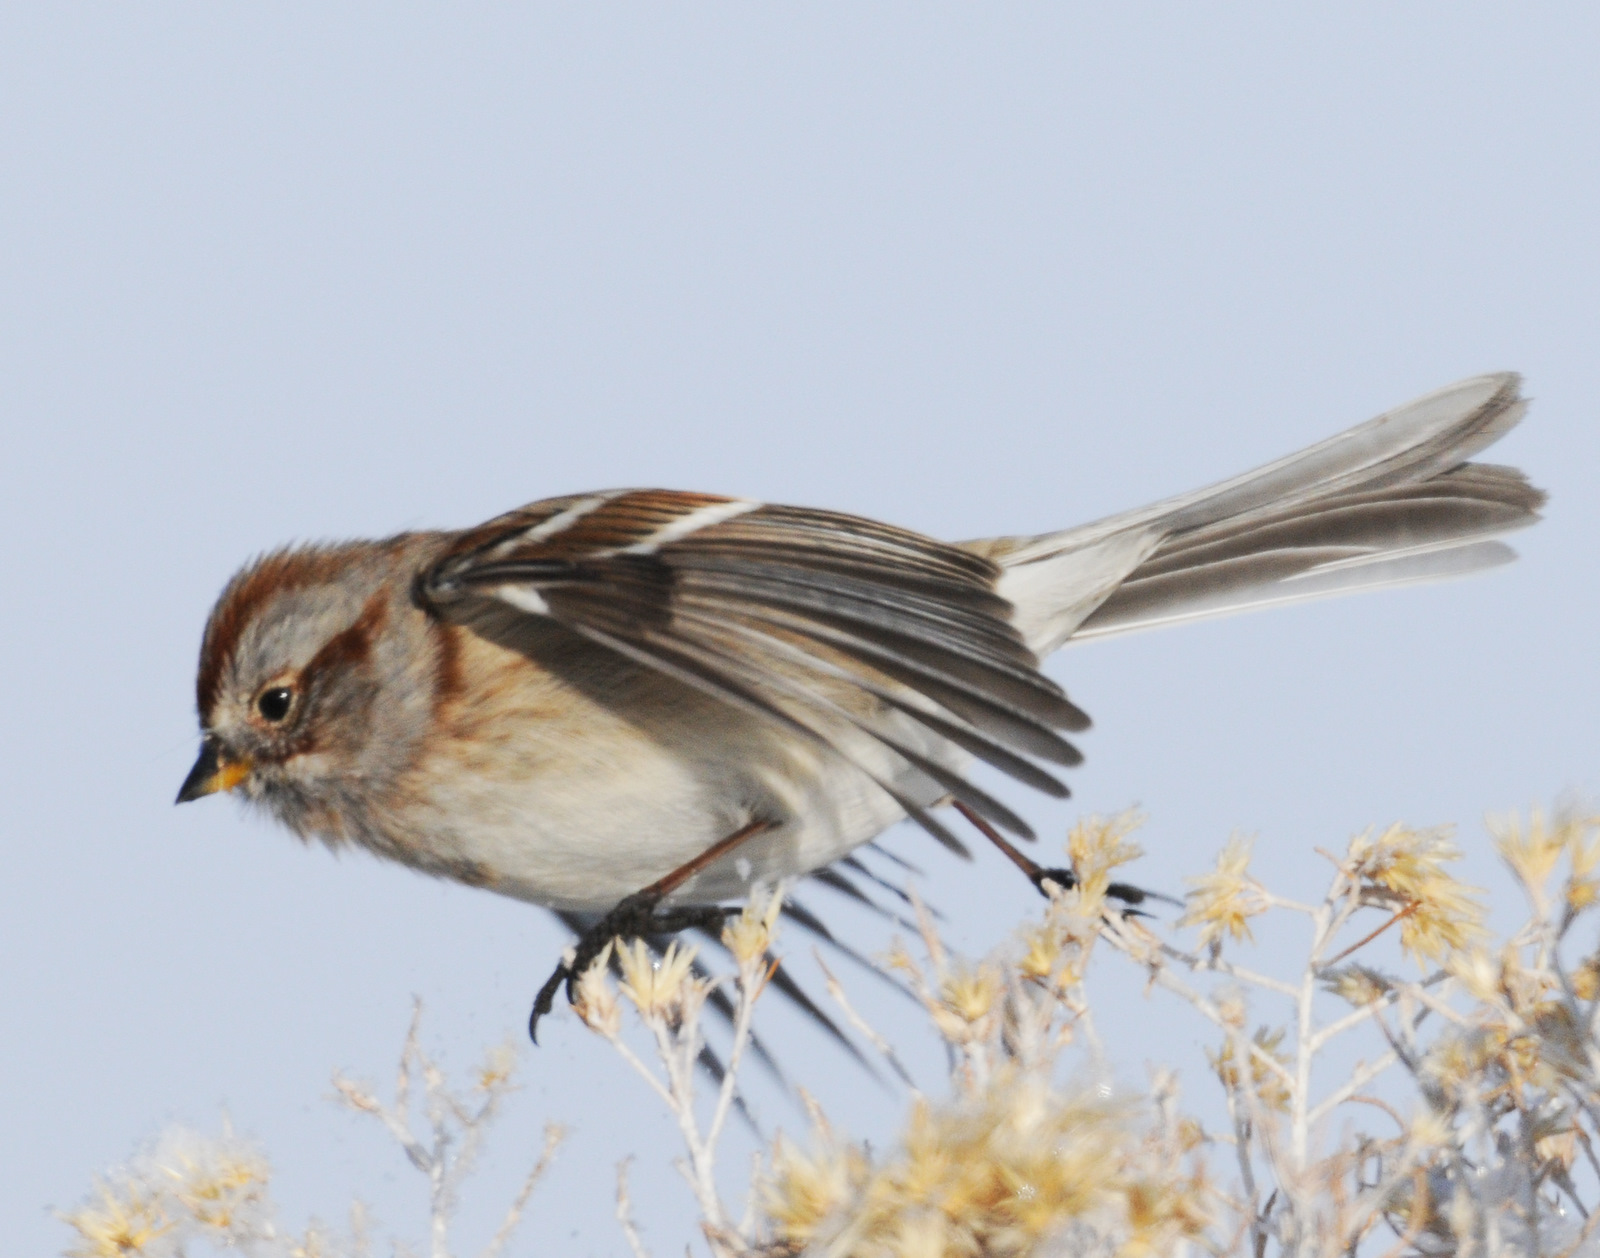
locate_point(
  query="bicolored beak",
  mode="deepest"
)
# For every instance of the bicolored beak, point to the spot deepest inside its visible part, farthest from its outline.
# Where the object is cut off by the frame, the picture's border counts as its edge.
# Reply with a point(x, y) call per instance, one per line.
point(212, 772)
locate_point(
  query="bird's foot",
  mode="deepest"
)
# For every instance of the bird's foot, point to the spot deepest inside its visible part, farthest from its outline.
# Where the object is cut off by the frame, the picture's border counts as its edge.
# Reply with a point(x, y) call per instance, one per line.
point(638, 916)
point(1067, 880)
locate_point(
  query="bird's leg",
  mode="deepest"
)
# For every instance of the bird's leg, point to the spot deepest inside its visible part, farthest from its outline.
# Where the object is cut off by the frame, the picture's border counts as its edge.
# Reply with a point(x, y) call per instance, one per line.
point(1039, 874)
point(638, 915)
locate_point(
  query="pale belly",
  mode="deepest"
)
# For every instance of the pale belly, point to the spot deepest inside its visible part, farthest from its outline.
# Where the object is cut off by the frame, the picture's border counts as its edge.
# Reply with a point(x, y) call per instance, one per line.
point(583, 836)
point(575, 796)
point(558, 821)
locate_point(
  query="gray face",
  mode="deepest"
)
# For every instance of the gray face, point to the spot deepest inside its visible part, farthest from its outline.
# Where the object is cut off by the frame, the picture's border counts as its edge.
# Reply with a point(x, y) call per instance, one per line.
point(292, 697)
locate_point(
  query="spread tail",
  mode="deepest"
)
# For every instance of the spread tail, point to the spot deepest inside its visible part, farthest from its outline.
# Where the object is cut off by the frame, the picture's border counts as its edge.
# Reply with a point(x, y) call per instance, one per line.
point(1390, 502)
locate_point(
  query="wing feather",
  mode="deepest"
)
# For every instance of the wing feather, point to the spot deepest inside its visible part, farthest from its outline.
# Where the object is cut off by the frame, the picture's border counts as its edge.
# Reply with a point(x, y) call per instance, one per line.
point(970, 739)
point(849, 633)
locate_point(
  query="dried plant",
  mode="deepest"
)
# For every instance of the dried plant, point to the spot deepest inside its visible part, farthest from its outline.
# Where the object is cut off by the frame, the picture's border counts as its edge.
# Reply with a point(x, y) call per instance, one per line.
point(1485, 1074)
point(1490, 1055)
point(669, 997)
point(190, 1190)
point(1467, 1128)
point(1013, 1161)
point(456, 1123)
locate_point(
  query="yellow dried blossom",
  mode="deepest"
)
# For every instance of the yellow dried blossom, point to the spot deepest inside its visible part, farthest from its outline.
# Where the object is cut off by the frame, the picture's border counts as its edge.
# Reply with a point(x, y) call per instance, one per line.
point(967, 997)
point(312, 1245)
point(750, 934)
point(1448, 918)
point(1533, 852)
point(970, 993)
point(927, 1162)
point(1010, 1168)
point(1052, 951)
point(596, 1001)
point(1478, 972)
point(922, 1234)
point(899, 958)
point(1406, 868)
point(1555, 1139)
point(657, 989)
point(1431, 1130)
point(1267, 1083)
point(216, 1187)
point(1358, 984)
point(804, 1191)
point(1526, 989)
point(499, 1064)
point(1041, 951)
point(1224, 900)
point(1231, 1008)
point(1586, 978)
point(1455, 1059)
point(1583, 848)
point(1496, 1056)
point(1097, 845)
point(1000, 1174)
point(119, 1225)
point(1161, 1211)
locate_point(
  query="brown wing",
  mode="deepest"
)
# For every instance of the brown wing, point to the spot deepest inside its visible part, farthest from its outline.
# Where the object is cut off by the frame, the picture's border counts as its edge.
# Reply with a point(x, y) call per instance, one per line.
point(808, 618)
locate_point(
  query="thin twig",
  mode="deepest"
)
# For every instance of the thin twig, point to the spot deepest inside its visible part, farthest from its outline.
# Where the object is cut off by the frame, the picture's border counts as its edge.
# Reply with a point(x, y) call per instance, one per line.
point(625, 1211)
point(554, 1134)
point(1204, 1006)
point(1368, 1011)
point(679, 1054)
point(1379, 1104)
point(1365, 1013)
point(753, 979)
point(1419, 1215)
point(1371, 935)
point(862, 1026)
point(1364, 1075)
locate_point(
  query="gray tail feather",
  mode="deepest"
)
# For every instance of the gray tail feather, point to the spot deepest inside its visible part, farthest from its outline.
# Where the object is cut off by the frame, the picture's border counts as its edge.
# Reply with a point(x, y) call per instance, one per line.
point(1390, 502)
point(1321, 547)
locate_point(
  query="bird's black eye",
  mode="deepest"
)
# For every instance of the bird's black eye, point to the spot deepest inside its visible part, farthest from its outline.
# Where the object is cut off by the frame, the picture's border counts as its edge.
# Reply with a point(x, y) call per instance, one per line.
point(274, 703)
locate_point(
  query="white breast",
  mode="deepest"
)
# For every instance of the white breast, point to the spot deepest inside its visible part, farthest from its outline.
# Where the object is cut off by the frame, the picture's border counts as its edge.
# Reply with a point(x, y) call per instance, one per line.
point(576, 799)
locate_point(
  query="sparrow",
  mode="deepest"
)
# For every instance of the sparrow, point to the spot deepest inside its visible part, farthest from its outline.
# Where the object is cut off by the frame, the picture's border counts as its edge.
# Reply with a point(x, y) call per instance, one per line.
point(632, 706)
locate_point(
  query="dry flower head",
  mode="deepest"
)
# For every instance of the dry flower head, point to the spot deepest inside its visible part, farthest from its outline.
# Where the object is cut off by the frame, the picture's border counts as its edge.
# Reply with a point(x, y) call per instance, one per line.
point(596, 1002)
point(1223, 901)
point(750, 934)
point(1097, 845)
point(1267, 1067)
point(657, 988)
point(125, 1220)
point(999, 1173)
point(1404, 869)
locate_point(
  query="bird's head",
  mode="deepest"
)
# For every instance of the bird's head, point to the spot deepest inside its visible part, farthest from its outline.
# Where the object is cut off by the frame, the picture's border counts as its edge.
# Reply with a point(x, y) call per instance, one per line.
point(304, 688)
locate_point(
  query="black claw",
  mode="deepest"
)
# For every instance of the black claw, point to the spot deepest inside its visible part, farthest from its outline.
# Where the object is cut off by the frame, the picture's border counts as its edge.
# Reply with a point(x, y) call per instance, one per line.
point(634, 918)
point(1137, 895)
point(545, 1001)
point(1128, 895)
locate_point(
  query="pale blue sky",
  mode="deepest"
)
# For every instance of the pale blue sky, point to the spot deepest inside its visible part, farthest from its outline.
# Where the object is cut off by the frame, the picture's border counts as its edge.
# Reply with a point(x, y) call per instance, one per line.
point(305, 271)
